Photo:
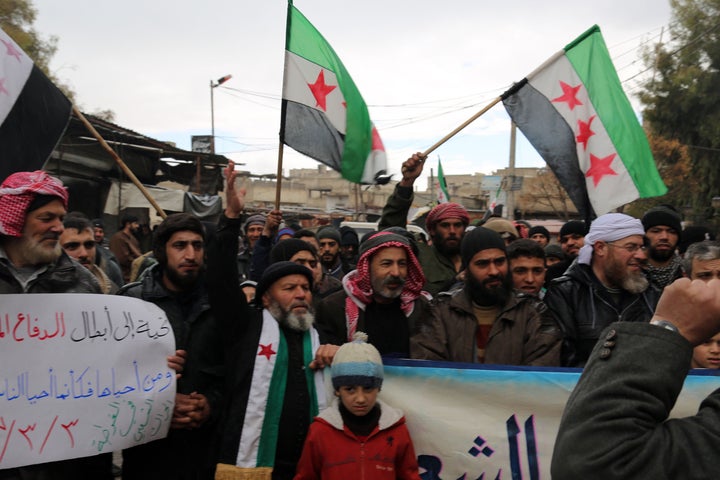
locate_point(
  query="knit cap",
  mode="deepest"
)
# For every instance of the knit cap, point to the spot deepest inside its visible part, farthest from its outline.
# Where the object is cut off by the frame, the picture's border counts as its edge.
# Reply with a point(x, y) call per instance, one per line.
point(357, 363)
point(329, 232)
point(539, 229)
point(480, 238)
point(257, 219)
point(278, 270)
point(662, 215)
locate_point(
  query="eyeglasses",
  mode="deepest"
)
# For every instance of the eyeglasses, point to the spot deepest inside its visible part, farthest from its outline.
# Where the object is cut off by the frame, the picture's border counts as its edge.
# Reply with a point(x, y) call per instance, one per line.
point(75, 245)
point(630, 247)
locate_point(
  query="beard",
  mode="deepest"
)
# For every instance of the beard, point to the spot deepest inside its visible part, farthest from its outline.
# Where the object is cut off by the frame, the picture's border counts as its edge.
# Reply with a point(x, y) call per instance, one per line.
point(300, 322)
point(440, 243)
point(486, 296)
point(182, 281)
point(379, 286)
point(35, 253)
point(633, 282)
point(661, 255)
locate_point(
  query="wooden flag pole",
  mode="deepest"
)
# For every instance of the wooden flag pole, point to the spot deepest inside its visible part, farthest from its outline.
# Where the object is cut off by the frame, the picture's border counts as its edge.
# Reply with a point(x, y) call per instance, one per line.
point(119, 161)
point(278, 180)
point(465, 124)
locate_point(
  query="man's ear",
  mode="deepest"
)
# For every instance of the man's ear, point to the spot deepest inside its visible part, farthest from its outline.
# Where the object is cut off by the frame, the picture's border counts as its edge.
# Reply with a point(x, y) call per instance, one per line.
point(337, 393)
point(265, 299)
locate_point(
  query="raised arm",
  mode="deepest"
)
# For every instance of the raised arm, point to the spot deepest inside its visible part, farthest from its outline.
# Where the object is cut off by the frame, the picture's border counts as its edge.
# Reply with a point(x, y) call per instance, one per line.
point(395, 211)
point(615, 422)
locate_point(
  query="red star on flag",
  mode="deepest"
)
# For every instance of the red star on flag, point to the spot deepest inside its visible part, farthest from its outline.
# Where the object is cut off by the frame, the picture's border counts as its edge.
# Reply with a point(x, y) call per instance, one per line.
point(266, 351)
point(569, 95)
point(320, 90)
point(585, 133)
point(599, 167)
point(11, 50)
point(2, 87)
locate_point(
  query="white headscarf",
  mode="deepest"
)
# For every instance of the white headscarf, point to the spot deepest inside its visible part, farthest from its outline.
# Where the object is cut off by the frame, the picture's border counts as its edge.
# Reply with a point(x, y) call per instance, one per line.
point(608, 228)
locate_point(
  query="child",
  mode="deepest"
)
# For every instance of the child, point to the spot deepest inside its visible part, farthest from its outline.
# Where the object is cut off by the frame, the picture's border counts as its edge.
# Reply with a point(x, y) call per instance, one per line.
point(707, 354)
point(358, 437)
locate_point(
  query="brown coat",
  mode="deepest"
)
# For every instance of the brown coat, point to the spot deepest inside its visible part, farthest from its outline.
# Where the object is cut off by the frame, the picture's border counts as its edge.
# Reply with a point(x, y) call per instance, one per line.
point(521, 334)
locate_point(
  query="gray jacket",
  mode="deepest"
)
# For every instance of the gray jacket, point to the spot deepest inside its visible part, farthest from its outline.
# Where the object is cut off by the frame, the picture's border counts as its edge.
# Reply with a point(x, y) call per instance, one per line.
point(615, 422)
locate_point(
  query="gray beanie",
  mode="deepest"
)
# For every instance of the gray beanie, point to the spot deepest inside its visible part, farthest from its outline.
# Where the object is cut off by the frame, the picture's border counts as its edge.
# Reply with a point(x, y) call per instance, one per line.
point(329, 232)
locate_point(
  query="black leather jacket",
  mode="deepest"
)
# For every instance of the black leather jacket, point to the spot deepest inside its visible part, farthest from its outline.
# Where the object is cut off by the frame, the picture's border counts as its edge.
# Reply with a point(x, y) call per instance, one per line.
point(583, 307)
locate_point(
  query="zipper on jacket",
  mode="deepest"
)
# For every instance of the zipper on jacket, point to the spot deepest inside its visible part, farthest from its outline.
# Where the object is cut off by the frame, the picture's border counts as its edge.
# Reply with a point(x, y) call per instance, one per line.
point(362, 460)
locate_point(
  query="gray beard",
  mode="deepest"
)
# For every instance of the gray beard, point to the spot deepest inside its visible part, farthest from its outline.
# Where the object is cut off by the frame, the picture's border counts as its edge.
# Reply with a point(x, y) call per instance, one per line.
point(636, 283)
point(34, 254)
point(291, 320)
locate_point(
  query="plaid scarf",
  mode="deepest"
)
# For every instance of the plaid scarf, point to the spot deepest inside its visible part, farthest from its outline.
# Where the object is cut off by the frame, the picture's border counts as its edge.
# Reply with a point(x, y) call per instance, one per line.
point(359, 290)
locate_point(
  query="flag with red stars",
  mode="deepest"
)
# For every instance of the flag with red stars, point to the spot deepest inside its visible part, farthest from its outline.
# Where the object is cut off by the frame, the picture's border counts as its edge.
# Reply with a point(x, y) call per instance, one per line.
point(323, 114)
point(573, 110)
point(33, 111)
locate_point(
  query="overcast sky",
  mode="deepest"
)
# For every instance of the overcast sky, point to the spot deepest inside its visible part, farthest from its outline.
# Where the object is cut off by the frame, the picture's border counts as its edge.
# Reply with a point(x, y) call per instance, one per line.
point(422, 66)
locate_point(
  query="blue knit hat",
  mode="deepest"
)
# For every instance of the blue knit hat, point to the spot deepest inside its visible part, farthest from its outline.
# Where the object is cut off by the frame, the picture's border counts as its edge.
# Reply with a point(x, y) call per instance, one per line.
point(357, 363)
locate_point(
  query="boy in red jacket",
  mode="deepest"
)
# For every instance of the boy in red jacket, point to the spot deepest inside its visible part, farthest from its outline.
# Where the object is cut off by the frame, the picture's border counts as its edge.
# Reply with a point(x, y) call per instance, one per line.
point(358, 436)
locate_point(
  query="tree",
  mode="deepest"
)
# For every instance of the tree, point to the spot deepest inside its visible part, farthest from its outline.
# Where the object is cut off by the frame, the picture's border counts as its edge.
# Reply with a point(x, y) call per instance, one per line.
point(674, 164)
point(16, 19)
point(544, 193)
point(682, 98)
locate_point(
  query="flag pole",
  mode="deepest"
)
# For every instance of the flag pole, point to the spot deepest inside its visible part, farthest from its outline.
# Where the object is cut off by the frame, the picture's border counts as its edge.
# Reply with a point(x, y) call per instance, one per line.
point(278, 180)
point(465, 124)
point(119, 161)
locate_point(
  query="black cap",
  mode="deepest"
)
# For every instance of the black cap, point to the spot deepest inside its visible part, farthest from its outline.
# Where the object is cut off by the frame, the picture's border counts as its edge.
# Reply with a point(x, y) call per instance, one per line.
point(278, 270)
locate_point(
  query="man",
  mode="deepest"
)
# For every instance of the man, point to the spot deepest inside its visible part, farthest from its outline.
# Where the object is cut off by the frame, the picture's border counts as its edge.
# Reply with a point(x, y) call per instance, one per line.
point(702, 262)
point(260, 255)
point(125, 246)
point(303, 253)
point(605, 285)
point(99, 232)
point(446, 224)
point(177, 284)
point(383, 297)
point(615, 423)
point(253, 229)
point(272, 395)
point(78, 241)
point(571, 238)
point(349, 243)
point(540, 235)
point(332, 262)
point(104, 258)
point(527, 267)
point(553, 256)
point(504, 227)
point(662, 229)
point(483, 321)
point(308, 236)
point(32, 208)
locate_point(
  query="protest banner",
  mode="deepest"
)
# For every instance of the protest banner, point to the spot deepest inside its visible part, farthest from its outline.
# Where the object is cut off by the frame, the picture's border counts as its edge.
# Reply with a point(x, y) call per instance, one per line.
point(80, 375)
point(492, 422)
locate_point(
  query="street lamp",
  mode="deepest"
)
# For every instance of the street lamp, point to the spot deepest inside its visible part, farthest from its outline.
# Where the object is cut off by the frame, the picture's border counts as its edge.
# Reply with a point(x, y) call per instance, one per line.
point(219, 82)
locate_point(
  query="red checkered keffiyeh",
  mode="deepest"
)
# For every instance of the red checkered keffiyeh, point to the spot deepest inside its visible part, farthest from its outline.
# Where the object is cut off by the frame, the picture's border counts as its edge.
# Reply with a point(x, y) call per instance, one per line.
point(359, 288)
point(446, 210)
point(18, 191)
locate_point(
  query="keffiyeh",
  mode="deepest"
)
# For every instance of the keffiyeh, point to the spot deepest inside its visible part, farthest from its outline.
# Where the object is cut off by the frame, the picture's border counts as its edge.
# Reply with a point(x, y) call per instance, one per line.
point(17, 193)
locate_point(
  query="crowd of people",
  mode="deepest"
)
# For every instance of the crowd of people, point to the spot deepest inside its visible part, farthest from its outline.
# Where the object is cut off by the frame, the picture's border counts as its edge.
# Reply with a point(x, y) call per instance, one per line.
point(258, 310)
